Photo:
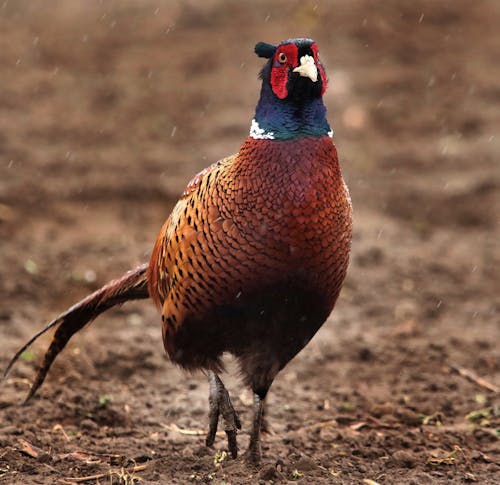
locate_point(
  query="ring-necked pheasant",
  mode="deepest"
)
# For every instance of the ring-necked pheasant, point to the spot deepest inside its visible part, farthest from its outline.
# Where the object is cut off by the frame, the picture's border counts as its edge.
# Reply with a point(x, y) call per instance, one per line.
point(253, 256)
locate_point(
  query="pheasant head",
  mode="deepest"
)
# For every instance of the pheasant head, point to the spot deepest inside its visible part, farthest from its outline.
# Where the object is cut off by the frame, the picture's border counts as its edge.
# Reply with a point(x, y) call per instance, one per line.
point(293, 84)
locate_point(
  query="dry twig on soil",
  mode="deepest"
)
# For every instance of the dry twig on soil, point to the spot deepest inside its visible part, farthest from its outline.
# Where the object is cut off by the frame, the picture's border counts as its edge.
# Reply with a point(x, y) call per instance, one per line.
point(124, 474)
point(473, 377)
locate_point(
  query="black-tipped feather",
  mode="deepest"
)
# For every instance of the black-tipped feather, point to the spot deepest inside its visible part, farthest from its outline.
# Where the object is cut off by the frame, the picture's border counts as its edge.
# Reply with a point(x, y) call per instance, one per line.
point(133, 285)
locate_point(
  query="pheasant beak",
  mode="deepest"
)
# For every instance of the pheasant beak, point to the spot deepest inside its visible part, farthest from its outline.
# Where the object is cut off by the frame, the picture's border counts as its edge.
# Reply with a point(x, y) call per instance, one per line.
point(307, 68)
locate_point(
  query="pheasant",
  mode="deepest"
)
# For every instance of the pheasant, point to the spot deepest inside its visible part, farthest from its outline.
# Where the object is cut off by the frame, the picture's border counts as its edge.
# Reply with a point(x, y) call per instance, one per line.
point(252, 258)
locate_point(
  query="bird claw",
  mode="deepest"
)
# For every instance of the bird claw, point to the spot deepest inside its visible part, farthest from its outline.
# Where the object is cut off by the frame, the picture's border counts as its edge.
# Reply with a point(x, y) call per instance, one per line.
point(220, 404)
point(253, 455)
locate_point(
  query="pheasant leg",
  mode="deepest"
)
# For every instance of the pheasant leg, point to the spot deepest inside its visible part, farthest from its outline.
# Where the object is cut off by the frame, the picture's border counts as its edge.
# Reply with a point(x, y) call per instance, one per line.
point(220, 404)
point(265, 427)
point(253, 454)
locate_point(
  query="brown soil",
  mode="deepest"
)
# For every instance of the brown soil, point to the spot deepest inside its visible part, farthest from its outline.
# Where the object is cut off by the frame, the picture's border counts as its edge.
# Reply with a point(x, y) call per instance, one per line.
point(107, 110)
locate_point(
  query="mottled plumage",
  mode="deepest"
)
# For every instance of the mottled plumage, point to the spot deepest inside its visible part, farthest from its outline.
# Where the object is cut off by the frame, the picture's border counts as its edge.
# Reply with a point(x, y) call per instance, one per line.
point(253, 256)
point(272, 220)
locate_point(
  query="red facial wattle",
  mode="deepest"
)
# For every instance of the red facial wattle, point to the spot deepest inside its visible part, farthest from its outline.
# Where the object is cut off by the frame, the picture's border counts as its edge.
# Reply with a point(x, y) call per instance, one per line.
point(279, 71)
point(321, 69)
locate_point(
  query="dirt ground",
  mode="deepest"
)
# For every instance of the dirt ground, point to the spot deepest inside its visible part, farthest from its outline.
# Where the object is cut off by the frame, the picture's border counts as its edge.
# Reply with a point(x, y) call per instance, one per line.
point(106, 111)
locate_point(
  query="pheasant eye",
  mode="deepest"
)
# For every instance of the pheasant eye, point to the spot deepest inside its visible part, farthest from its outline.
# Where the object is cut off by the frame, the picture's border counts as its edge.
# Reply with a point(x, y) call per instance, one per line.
point(282, 57)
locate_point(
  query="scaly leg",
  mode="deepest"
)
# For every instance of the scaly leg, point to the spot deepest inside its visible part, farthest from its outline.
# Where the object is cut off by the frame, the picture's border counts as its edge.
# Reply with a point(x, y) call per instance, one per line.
point(253, 454)
point(220, 403)
point(265, 427)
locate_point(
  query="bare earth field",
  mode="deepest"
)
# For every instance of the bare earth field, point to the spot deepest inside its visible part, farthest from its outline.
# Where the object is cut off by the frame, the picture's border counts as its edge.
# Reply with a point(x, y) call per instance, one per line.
point(107, 109)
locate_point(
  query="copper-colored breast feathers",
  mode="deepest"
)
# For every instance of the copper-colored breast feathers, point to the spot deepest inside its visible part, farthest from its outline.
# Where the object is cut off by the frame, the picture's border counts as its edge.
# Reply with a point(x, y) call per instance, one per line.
point(276, 212)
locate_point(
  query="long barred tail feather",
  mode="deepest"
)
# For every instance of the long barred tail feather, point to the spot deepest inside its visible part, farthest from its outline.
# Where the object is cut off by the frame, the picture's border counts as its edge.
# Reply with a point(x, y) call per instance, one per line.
point(133, 285)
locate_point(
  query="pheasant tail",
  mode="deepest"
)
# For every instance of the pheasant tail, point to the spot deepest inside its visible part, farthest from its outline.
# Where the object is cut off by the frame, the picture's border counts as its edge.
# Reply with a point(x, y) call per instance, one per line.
point(133, 285)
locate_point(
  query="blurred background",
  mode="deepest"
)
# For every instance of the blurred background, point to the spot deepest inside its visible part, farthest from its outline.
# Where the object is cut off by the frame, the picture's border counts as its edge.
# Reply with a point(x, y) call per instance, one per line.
point(108, 108)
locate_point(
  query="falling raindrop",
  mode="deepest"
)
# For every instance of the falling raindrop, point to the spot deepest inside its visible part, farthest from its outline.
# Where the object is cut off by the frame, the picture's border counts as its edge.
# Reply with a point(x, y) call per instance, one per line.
point(90, 276)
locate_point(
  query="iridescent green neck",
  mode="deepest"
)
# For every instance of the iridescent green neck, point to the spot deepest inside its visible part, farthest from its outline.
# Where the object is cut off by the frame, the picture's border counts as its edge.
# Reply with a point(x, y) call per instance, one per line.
point(282, 119)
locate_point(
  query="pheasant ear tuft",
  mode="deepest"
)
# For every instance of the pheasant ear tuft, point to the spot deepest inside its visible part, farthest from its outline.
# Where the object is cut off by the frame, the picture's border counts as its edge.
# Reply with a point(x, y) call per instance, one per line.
point(263, 49)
